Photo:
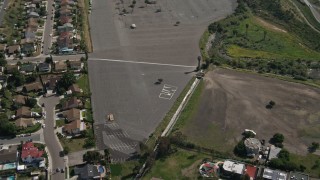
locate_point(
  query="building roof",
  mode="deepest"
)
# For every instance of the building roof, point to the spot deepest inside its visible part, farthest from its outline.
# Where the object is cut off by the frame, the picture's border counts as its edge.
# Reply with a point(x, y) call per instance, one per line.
point(274, 174)
point(72, 114)
point(20, 99)
point(13, 48)
point(35, 86)
point(30, 67)
point(251, 171)
point(73, 127)
point(23, 111)
point(234, 167)
point(74, 88)
point(29, 150)
point(60, 66)
point(88, 171)
point(33, 23)
point(12, 67)
point(44, 67)
point(72, 102)
point(8, 154)
point(34, 14)
point(75, 64)
point(298, 176)
point(252, 143)
point(25, 122)
point(273, 152)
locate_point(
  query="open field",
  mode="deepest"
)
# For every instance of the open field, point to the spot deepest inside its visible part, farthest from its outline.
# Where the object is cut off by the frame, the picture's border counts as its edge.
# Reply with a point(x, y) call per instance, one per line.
point(262, 39)
point(233, 101)
point(179, 165)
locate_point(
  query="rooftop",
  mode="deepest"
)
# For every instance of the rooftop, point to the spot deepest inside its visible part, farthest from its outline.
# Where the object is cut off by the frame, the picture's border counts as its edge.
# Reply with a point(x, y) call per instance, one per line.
point(252, 143)
point(273, 152)
point(274, 174)
point(251, 171)
point(234, 167)
point(8, 154)
point(29, 150)
point(298, 176)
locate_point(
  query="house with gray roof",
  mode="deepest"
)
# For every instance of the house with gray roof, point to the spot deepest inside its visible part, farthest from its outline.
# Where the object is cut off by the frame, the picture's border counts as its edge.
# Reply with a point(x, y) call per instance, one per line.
point(89, 171)
point(27, 68)
point(44, 67)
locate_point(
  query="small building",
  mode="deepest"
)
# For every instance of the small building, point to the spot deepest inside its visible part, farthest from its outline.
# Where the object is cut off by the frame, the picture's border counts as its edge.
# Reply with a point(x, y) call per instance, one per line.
point(13, 49)
point(273, 152)
point(23, 112)
point(253, 146)
point(89, 171)
point(298, 175)
point(274, 174)
point(76, 65)
point(60, 66)
point(67, 27)
point(73, 102)
point(74, 89)
point(25, 122)
point(20, 99)
point(8, 154)
point(12, 68)
point(27, 68)
point(28, 48)
point(44, 67)
point(33, 87)
point(33, 15)
point(31, 154)
point(71, 114)
point(73, 128)
point(233, 167)
point(251, 171)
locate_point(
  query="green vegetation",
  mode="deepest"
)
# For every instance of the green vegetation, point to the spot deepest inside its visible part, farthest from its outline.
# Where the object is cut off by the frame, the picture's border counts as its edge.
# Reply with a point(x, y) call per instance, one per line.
point(30, 129)
point(74, 145)
point(60, 122)
point(83, 83)
point(116, 169)
point(203, 43)
point(307, 13)
point(310, 161)
point(179, 165)
point(6, 127)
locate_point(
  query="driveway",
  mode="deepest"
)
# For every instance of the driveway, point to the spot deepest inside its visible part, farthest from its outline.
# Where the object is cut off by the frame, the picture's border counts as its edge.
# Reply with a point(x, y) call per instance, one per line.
point(48, 29)
point(50, 137)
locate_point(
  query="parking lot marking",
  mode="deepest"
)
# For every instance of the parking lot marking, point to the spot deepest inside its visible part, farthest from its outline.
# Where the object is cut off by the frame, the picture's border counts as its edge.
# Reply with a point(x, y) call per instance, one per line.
point(141, 62)
point(167, 91)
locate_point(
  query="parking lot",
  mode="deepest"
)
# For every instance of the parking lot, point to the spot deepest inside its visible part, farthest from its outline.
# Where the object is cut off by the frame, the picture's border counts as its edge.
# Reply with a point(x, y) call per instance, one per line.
point(127, 64)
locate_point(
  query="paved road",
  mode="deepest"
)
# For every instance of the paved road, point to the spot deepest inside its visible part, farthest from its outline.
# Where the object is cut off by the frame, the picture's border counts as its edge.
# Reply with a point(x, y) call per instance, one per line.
point(50, 137)
point(17, 140)
point(2, 11)
point(315, 13)
point(48, 29)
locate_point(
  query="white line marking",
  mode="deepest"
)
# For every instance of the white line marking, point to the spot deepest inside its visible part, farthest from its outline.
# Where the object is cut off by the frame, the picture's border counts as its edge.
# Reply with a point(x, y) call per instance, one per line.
point(167, 92)
point(141, 62)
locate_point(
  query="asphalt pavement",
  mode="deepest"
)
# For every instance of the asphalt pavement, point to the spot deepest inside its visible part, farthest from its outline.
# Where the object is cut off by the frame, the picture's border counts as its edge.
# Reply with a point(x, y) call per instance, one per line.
point(48, 28)
point(50, 138)
point(17, 140)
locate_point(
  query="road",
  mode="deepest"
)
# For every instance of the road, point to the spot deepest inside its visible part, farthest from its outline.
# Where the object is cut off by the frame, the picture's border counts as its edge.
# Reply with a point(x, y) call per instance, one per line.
point(315, 13)
point(48, 28)
point(17, 140)
point(51, 139)
point(2, 11)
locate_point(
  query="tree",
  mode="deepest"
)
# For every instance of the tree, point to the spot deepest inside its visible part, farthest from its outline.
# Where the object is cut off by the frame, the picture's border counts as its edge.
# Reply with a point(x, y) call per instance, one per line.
point(88, 143)
point(66, 150)
point(284, 155)
point(92, 157)
point(31, 102)
point(277, 139)
point(264, 35)
point(164, 146)
point(48, 60)
point(240, 149)
point(17, 79)
point(65, 82)
point(314, 146)
point(6, 127)
point(247, 27)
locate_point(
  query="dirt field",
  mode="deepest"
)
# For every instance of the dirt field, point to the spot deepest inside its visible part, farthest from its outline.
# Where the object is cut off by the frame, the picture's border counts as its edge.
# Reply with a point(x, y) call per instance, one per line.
point(233, 101)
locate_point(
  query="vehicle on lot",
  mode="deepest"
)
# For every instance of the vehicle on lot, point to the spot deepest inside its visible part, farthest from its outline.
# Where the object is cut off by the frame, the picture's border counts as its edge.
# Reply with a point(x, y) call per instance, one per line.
point(57, 170)
point(62, 170)
point(110, 117)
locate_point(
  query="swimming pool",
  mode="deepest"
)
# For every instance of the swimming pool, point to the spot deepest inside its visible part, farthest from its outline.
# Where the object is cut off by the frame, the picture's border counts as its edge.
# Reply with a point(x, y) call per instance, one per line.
point(9, 166)
point(10, 178)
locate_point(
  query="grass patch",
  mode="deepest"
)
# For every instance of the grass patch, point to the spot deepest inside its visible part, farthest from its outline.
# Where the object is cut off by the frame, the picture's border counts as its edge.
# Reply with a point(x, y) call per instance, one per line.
point(153, 137)
point(310, 161)
point(264, 40)
point(31, 129)
point(179, 165)
point(116, 169)
point(83, 83)
point(203, 43)
point(124, 170)
point(307, 13)
point(84, 9)
point(60, 122)
point(73, 144)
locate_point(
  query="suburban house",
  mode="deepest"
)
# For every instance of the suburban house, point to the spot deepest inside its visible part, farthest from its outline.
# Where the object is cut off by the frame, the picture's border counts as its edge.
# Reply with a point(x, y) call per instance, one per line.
point(25, 122)
point(74, 89)
point(34, 87)
point(73, 128)
point(33, 15)
point(90, 171)
point(20, 99)
point(33, 23)
point(23, 112)
point(73, 102)
point(230, 167)
point(274, 174)
point(13, 49)
point(29, 35)
point(251, 171)
point(8, 154)
point(44, 67)
point(65, 19)
point(50, 81)
point(60, 66)
point(11, 68)
point(28, 47)
point(76, 65)
point(27, 68)
point(65, 44)
point(71, 114)
point(30, 153)
point(67, 27)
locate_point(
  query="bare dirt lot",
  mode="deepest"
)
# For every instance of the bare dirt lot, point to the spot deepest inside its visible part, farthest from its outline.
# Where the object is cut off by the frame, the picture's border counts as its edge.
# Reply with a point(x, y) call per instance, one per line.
point(233, 101)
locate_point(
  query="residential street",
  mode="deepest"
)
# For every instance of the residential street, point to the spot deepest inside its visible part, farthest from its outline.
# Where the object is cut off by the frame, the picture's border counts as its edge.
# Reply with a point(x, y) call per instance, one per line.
point(47, 39)
point(51, 139)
